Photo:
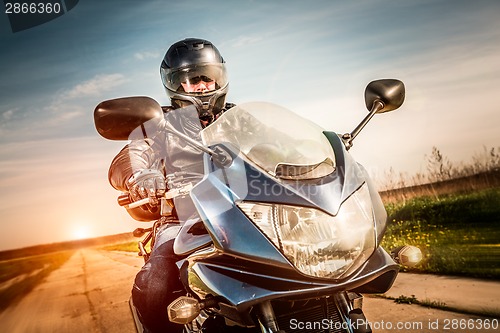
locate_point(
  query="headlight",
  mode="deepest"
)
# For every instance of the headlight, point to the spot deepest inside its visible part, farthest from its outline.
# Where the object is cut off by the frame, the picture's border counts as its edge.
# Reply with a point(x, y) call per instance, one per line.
point(316, 243)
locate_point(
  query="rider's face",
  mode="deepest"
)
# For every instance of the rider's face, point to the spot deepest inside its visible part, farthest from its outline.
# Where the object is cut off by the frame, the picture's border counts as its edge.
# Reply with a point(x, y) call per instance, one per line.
point(199, 84)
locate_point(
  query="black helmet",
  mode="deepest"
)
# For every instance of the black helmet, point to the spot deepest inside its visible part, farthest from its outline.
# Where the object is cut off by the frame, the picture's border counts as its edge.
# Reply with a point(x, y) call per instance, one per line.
point(189, 64)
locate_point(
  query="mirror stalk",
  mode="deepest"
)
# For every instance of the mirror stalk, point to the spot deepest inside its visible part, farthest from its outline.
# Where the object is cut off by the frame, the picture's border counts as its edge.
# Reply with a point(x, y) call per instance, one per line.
point(130, 118)
point(349, 137)
point(195, 144)
point(219, 156)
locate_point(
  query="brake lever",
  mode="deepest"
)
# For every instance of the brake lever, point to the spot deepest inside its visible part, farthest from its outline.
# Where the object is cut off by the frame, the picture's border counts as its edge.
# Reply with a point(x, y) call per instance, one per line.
point(168, 195)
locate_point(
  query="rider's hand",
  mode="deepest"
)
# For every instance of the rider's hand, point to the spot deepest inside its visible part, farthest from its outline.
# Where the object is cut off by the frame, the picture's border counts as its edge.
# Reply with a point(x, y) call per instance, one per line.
point(147, 183)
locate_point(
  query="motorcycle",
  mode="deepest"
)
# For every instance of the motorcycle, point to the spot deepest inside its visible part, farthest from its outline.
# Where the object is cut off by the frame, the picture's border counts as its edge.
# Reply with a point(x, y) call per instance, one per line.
point(290, 224)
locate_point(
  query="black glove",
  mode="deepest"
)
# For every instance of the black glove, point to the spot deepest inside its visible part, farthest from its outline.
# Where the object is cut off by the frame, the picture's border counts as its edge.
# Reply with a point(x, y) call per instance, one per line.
point(147, 183)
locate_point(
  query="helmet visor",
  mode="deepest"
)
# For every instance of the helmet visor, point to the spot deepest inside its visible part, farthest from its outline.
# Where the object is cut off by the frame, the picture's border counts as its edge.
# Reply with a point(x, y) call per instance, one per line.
point(195, 80)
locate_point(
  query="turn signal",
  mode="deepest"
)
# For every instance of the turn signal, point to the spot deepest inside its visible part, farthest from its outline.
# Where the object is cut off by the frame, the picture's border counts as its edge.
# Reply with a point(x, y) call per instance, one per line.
point(407, 255)
point(183, 310)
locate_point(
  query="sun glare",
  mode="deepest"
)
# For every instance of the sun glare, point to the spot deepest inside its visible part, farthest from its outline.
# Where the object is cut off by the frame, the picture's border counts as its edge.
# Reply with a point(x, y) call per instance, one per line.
point(81, 232)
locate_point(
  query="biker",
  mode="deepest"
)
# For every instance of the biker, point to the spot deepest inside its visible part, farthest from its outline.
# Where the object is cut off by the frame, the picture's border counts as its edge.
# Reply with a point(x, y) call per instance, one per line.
point(193, 73)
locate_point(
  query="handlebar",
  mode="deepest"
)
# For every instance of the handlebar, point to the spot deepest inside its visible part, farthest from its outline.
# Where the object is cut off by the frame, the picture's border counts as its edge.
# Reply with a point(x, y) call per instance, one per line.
point(124, 200)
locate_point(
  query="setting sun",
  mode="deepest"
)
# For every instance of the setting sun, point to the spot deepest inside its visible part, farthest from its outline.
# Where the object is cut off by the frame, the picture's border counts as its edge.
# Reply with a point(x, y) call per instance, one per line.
point(80, 231)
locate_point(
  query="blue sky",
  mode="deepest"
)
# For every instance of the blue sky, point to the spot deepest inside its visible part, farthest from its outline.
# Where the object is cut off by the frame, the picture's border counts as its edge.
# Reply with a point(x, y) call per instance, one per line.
point(314, 57)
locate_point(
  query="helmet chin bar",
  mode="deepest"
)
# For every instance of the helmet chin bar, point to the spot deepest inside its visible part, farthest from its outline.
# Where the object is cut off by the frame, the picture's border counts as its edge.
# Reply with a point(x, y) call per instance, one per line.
point(208, 105)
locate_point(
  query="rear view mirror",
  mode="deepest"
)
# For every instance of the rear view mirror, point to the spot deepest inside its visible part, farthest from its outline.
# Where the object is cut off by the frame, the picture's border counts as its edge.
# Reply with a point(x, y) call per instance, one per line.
point(116, 119)
point(390, 92)
point(380, 96)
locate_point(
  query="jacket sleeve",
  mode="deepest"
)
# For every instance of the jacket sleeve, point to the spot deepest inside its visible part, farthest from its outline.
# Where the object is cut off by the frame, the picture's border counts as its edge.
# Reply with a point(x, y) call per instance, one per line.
point(135, 156)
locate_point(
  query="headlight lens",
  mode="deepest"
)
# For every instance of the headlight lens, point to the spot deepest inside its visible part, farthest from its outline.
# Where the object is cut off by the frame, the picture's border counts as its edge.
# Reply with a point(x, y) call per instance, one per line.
point(318, 244)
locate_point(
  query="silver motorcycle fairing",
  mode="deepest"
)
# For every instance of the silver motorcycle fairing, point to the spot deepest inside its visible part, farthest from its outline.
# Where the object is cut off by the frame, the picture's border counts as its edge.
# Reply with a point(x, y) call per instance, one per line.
point(243, 266)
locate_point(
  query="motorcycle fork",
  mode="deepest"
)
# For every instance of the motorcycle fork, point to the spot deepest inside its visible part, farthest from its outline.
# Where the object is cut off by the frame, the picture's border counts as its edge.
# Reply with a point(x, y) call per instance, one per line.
point(267, 318)
point(149, 238)
point(350, 305)
point(142, 245)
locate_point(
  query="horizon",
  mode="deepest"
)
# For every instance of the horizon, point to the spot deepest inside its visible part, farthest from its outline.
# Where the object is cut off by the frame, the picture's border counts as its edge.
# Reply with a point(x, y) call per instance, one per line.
point(63, 246)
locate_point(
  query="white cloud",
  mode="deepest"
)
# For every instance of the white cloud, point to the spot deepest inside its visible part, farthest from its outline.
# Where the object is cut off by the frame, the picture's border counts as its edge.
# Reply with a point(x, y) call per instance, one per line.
point(94, 86)
point(146, 55)
point(245, 40)
point(62, 117)
point(7, 115)
point(66, 105)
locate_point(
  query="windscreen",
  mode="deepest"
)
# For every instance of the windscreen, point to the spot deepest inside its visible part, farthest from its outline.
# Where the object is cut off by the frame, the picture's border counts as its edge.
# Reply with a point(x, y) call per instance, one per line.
point(276, 139)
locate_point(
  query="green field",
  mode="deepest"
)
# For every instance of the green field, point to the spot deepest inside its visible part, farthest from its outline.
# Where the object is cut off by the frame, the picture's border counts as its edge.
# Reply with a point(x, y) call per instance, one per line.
point(458, 234)
point(128, 247)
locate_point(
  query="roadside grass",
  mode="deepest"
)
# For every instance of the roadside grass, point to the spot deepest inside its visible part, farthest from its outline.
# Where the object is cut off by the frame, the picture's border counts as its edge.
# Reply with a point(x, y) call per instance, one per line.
point(127, 247)
point(458, 234)
point(19, 276)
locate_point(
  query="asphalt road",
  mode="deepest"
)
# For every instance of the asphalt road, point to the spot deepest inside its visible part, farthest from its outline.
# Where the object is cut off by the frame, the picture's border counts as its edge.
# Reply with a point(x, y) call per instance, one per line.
point(90, 293)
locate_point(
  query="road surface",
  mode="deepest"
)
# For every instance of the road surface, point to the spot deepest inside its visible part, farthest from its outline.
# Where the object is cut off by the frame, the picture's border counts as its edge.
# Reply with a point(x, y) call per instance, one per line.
point(90, 293)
